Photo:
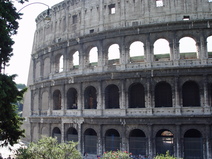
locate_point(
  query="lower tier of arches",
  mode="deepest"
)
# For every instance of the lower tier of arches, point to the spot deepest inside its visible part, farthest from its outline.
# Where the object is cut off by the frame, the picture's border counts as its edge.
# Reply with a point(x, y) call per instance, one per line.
point(187, 137)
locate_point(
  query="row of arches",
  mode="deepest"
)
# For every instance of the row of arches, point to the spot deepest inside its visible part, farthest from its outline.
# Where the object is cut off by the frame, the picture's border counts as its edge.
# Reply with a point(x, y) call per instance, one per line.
point(163, 96)
point(138, 51)
point(187, 48)
point(137, 141)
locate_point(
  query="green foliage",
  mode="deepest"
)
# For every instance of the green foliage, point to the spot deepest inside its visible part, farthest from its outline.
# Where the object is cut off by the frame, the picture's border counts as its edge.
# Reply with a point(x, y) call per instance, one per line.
point(166, 156)
point(116, 154)
point(10, 121)
point(49, 148)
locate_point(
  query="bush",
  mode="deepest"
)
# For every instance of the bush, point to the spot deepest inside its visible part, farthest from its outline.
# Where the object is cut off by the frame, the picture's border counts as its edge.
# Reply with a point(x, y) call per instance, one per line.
point(49, 148)
point(166, 156)
point(116, 155)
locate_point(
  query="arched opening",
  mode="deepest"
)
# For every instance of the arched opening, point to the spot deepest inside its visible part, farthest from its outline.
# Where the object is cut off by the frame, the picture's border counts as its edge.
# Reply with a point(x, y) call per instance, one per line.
point(90, 141)
point(137, 143)
point(90, 98)
point(61, 64)
point(163, 95)
point(209, 46)
point(72, 98)
point(193, 144)
point(161, 50)
point(111, 97)
point(136, 96)
point(113, 55)
point(190, 94)
point(136, 52)
point(164, 142)
point(76, 59)
point(37, 71)
point(56, 100)
point(112, 140)
point(46, 67)
point(56, 133)
point(93, 56)
point(45, 102)
point(188, 49)
point(72, 135)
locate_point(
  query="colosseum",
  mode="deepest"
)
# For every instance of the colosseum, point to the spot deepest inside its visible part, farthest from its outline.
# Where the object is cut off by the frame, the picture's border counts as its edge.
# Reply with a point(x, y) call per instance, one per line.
point(132, 75)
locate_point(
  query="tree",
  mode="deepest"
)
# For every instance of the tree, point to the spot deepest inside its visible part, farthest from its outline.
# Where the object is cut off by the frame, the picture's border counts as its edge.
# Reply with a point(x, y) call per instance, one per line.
point(10, 122)
point(49, 148)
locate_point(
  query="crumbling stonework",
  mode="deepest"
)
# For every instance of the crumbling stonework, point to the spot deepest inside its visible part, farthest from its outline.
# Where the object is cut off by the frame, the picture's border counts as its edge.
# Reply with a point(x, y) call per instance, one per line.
point(145, 104)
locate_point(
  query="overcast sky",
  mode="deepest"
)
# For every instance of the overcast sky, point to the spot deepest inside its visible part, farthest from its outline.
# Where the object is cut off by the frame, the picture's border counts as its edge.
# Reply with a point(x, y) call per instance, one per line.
point(19, 63)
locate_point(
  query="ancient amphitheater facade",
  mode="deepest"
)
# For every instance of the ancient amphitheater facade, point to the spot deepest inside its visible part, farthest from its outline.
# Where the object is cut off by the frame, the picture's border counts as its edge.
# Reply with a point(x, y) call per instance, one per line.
point(112, 74)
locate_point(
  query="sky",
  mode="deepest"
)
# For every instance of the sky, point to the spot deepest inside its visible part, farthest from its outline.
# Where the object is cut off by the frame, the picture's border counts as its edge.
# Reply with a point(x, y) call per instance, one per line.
point(20, 61)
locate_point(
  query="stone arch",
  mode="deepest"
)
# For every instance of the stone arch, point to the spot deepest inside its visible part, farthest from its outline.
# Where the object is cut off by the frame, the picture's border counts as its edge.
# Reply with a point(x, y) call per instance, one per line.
point(90, 145)
point(46, 67)
point(209, 46)
point(58, 63)
point(35, 104)
point(93, 56)
point(161, 54)
point(44, 131)
point(163, 94)
point(190, 94)
point(113, 54)
point(72, 99)
point(56, 133)
point(164, 142)
point(137, 142)
point(136, 52)
point(75, 59)
point(57, 100)
point(111, 96)
point(45, 101)
point(136, 96)
point(188, 48)
point(37, 70)
point(193, 144)
point(90, 98)
point(72, 134)
point(112, 140)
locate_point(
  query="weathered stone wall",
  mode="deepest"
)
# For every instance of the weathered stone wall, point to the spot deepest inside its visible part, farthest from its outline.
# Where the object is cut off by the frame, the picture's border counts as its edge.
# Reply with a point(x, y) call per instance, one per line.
point(134, 20)
point(94, 16)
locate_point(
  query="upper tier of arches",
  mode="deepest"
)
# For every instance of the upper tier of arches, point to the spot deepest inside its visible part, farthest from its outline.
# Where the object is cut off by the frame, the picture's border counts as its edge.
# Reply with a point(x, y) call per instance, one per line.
point(134, 53)
point(71, 19)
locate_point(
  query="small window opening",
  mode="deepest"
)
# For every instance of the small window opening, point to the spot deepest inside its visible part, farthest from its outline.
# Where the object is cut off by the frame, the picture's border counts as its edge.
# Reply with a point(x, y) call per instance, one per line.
point(209, 0)
point(74, 19)
point(91, 31)
point(159, 3)
point(185, 17)
point(112, 9)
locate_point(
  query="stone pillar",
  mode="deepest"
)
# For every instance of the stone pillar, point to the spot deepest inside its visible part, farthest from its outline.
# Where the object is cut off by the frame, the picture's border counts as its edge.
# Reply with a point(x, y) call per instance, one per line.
point(63, 106)
point(148, 96)
point(122, 96)
point(62, 131)
point(148, 51)
point(123, 60)
point(81, 58)
point(203, 50)
point(205, 100)
point(150, 141)
point(178, 143)
point(80, 137)
point(80, 99)
point(176, 96)
point(99, 140)
point(124, 139)
point(208, 142)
